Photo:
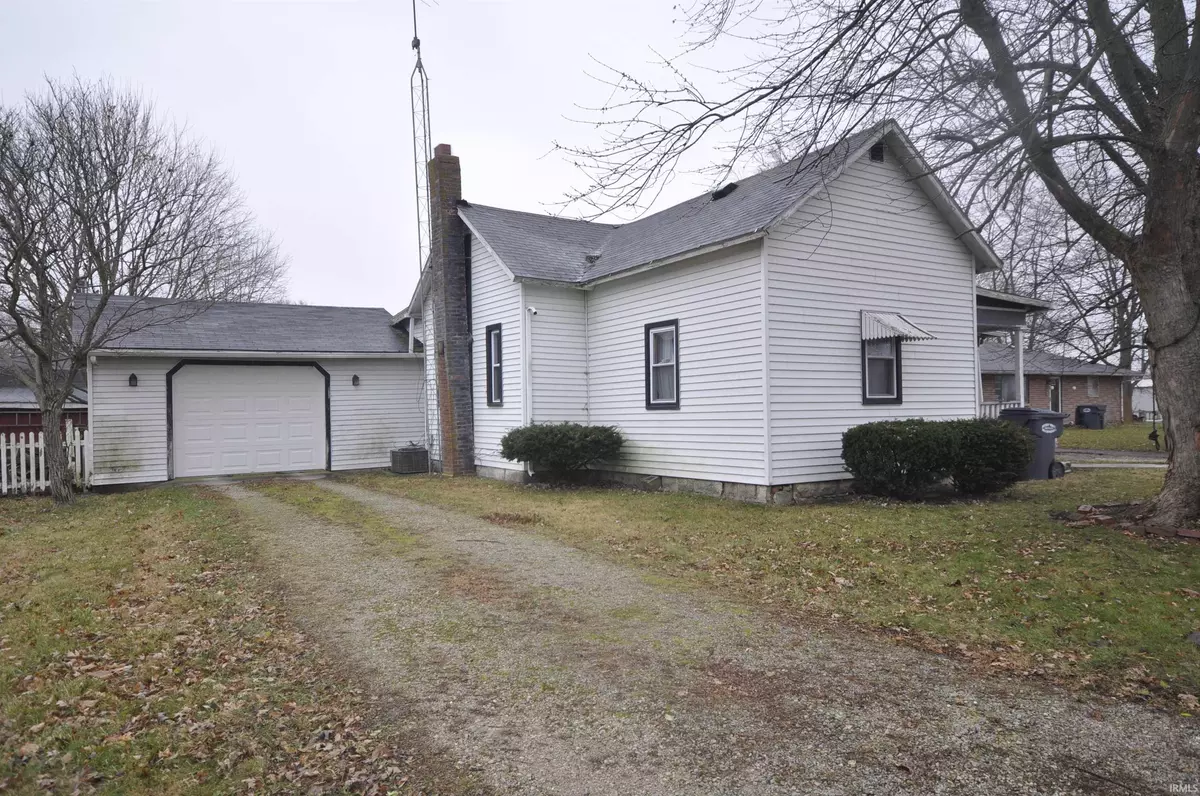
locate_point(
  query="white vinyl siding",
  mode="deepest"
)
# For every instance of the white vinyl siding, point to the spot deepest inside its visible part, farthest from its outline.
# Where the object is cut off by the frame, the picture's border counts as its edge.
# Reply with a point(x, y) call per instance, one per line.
point(383, 412)
point(717, 432)
point(558, 345)
point(128, 425)
point(871, 241)
point(495, 298)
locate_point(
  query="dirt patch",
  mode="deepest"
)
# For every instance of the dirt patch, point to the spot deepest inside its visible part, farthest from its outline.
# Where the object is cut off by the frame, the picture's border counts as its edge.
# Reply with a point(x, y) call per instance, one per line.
point(1131, 519)
point(475, 584)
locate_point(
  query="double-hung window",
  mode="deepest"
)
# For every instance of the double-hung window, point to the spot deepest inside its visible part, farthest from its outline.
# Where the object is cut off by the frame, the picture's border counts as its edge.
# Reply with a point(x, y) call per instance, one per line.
point(662, 365)
point(494, 362)
point(1093, 386)
point(881, 371)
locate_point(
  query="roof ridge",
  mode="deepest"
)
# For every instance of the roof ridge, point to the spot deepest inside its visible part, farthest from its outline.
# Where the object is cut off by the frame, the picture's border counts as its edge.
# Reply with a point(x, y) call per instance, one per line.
point(470, 204)
point(226, 302)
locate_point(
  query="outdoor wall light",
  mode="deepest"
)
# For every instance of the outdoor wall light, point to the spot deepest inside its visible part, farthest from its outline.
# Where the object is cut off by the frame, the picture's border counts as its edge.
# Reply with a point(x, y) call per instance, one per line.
point(132, 379)
point(355, 380)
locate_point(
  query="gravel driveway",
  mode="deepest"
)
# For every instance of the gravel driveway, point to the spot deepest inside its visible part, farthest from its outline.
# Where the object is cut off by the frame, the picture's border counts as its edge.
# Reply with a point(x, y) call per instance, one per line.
point(553, 672)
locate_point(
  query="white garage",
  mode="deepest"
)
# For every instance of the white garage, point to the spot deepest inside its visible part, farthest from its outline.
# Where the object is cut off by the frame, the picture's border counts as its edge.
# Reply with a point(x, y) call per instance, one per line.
point(230, 388)
point(229, 419)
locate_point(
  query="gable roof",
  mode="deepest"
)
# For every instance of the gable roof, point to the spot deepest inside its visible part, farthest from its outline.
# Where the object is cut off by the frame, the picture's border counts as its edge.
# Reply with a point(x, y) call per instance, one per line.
point(999, 358)
point(173, 325)
point(545, 248)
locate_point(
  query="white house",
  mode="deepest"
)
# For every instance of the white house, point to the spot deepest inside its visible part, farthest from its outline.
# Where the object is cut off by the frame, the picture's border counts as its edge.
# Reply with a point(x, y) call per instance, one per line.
point(732, 338)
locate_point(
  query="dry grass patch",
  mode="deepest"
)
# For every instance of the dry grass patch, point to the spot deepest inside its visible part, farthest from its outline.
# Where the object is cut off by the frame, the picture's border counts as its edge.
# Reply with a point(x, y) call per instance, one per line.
point(997, 582)
point(511, 519)
point(140, 653)
point(476, 584)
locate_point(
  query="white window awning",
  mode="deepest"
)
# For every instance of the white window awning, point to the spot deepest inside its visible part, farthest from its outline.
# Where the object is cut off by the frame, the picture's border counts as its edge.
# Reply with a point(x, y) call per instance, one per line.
point(887, 325)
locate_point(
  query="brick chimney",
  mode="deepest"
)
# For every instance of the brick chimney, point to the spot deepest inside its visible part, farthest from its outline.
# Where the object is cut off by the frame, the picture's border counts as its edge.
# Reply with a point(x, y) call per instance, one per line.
point(451, 333)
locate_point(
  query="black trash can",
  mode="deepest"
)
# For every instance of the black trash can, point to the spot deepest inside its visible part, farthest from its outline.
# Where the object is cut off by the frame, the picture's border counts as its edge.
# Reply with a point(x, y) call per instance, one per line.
point(1046, 427)
point(1090, 415)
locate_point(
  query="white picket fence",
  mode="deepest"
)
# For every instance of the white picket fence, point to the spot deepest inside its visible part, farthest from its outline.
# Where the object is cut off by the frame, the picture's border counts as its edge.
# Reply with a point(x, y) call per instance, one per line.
point(23, 461)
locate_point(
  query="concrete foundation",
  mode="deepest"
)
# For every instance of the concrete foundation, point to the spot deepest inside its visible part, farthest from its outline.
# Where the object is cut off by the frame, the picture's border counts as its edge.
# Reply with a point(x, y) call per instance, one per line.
point(503, 474)
point(779, 494)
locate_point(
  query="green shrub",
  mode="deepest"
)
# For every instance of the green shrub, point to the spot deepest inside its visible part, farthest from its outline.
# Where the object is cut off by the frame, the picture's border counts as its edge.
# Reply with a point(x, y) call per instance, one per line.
point(898, 458)
point(905, 458)
point(561, 448)
point(991, 455)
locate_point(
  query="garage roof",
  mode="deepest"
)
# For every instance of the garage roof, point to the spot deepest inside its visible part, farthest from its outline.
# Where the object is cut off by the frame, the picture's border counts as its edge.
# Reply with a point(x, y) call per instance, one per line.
point(174, 325)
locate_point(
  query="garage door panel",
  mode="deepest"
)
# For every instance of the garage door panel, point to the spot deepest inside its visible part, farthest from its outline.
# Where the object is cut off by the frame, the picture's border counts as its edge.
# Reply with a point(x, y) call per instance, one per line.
point(269, 431)
point(232, 419)
point(300, 431)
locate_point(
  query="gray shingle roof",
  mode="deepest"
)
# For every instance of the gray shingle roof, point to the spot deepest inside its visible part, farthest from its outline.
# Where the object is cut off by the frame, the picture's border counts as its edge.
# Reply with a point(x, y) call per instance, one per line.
point(999, 358)
point(228, 326)
point(558, 249)
point(538, 247)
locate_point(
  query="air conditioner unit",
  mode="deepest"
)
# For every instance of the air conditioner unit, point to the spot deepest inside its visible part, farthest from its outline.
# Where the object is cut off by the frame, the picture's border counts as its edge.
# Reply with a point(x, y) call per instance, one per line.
point(410, 459)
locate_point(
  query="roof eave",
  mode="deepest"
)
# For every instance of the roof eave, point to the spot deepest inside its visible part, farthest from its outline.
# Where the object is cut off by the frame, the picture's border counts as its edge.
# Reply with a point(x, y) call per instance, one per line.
point(1023, 302)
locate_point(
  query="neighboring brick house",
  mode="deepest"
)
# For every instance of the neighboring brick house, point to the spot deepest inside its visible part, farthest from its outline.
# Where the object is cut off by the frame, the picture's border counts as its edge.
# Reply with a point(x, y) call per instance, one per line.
point(19, 410)
point(1052, 382)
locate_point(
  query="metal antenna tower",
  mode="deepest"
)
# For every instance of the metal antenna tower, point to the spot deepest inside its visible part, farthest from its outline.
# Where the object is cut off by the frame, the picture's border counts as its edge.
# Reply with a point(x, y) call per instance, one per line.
point(422, 146)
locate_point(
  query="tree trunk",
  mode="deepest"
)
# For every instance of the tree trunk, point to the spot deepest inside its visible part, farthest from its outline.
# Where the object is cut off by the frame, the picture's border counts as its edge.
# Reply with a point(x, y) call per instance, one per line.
point(61, 482)
point(1176, 373)
point(1165, 266)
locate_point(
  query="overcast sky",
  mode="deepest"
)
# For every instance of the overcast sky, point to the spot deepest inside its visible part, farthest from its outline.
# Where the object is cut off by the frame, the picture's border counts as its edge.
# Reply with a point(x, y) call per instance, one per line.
point(309, 103)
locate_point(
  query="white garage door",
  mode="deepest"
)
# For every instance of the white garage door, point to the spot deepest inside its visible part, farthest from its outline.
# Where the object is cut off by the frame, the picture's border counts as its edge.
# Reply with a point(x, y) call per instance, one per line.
point(230, 419)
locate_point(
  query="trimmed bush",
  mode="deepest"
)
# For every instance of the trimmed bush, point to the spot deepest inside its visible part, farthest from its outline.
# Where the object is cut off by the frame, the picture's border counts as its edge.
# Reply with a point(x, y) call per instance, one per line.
point(906, 458)
point(561, 448)
point(991, 455)
point(898, 458)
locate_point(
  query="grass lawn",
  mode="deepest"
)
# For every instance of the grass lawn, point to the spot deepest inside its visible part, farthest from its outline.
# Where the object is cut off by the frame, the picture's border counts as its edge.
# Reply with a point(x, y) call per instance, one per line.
point(1119, 437)
point(997, 582)
point(141, 654)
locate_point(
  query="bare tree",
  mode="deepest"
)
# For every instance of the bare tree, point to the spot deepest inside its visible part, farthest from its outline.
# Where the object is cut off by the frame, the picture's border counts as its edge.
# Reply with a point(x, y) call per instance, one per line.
point(99, 198)
point(1098, 101)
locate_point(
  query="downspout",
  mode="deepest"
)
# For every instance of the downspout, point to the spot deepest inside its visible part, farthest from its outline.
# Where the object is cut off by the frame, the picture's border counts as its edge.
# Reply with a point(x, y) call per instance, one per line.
point(975, 340)
point(587, 358)
point(527, 314)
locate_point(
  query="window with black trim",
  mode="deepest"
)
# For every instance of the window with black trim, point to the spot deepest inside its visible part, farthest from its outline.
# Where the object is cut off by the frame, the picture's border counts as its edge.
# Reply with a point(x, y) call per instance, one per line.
point(494, 363)
point(662, 365)
point(882, 371)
